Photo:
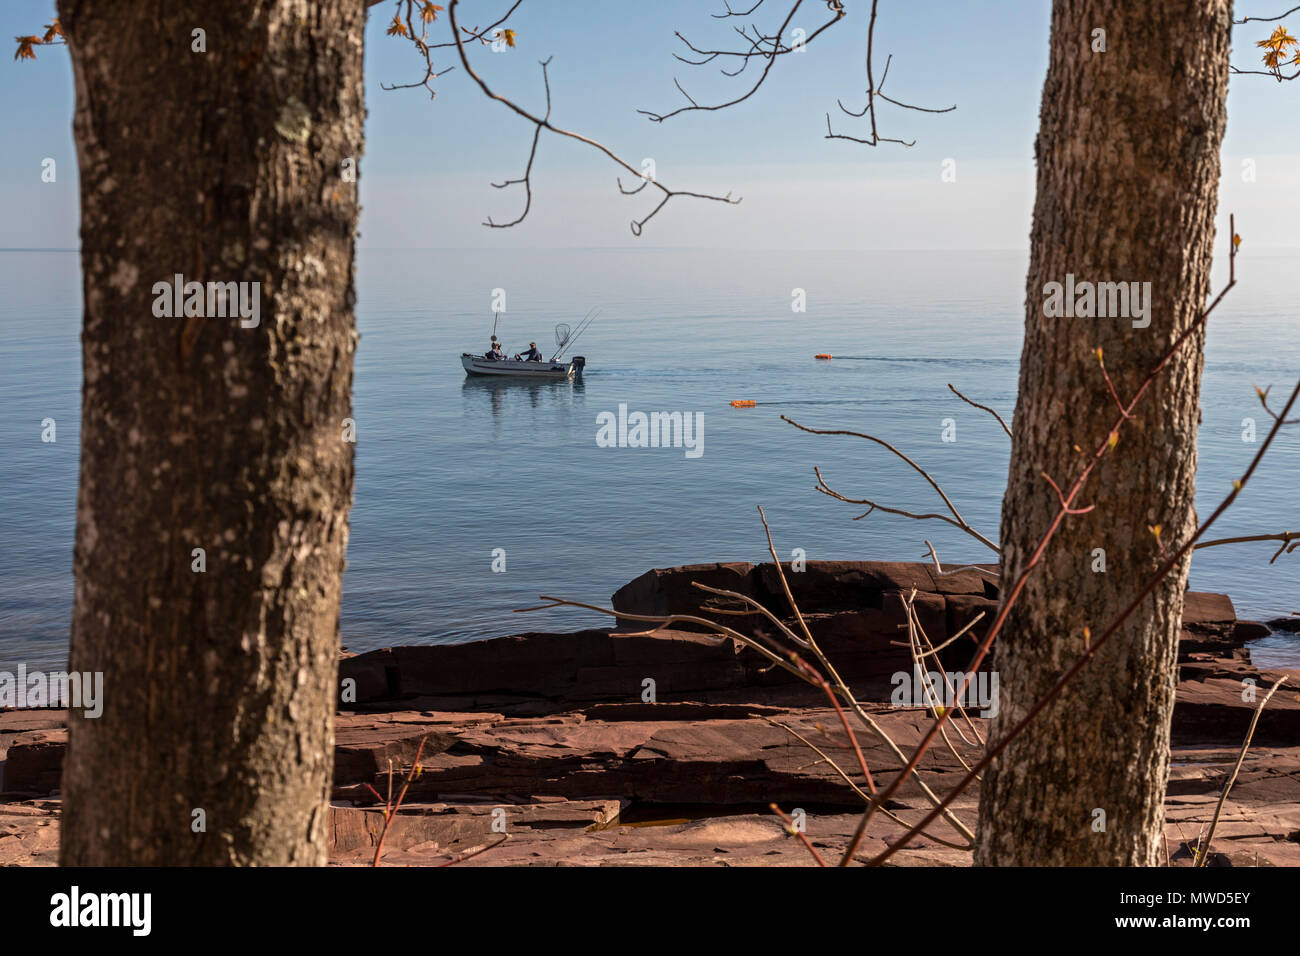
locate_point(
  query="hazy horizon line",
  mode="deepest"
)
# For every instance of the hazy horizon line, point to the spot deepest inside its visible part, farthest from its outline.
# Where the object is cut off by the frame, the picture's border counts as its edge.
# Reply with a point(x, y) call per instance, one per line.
point(552, 248)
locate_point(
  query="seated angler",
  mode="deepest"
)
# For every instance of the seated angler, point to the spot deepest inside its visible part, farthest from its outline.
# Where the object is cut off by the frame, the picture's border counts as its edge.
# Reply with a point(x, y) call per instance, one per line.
point(495, 353)
point(532, 355)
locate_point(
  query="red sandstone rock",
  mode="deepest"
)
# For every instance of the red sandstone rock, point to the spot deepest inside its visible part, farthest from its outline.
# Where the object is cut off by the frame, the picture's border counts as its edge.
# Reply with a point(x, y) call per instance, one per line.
point(1202, 607)
point(34, 763)
point(665, 591)
point(556, 724)
point(364, 747)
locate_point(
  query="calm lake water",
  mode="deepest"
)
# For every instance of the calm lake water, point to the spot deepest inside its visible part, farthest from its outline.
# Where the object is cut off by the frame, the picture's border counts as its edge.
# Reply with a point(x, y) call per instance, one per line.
point(450, 469)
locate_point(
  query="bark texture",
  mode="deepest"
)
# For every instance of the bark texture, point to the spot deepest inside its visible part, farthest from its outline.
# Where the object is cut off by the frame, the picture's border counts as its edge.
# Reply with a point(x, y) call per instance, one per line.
point(222, 166)
point(1128, 170)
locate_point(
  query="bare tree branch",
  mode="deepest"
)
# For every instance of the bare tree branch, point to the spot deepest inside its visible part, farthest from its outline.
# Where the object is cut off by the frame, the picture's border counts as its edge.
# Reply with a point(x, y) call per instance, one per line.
point(1203, 851)
point(1290, 541)
point(983, 407)
point(789, 661)
point(1278, 46)
point(956, 520)
point(488, 33)
point(405, 27)
point(544, 123)
point(765, 46)
point(966, 567)
point(873, 91)
point(1280, 16)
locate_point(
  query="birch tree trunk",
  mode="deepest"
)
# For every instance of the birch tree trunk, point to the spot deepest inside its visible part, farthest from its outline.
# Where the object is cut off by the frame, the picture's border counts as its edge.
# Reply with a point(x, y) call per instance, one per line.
point(211, 138)
point(1128, 169)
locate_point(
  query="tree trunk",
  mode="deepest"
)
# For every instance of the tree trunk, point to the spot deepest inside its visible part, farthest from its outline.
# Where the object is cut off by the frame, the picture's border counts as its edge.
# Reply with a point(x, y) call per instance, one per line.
point(1128, 169)
point(220, 164)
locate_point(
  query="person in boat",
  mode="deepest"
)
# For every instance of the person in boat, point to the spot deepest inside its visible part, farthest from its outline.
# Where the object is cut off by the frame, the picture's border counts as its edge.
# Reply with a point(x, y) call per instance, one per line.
point(532, 355)
point(495, 353)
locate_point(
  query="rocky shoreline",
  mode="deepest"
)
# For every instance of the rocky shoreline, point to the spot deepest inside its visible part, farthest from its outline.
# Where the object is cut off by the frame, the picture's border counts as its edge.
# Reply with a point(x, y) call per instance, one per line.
point(555, 737)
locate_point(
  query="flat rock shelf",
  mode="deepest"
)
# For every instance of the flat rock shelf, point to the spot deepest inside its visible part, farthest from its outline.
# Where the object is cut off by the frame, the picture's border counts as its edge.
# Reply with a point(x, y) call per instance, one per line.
point(547, 736)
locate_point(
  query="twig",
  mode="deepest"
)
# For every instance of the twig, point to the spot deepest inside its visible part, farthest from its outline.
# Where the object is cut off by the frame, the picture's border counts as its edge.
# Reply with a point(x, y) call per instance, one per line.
point(475, 851)
point(938, 568)
point(795, 831)
point(874, 91)
point(846, 693)
point(1203, 849)
point(391, 808)
point(544, 123)
point(918, 635)
point(956, 520)
point(764, 46)
point(1280, 16)
point(1290, 541)
point(984, 407)
point(790, 663)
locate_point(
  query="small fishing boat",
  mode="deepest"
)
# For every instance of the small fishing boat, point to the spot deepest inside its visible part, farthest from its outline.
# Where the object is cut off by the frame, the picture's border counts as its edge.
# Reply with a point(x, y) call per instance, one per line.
point(556, 368)
point(478, 365)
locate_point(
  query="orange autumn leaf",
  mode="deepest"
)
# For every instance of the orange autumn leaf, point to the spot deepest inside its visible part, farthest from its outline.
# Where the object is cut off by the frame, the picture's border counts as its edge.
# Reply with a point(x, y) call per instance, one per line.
point(51, 31)
point(429, 12)
point(509, 37)
point(397, 27)
point(1276, 46)
point(25, 51)
point(1279, 40)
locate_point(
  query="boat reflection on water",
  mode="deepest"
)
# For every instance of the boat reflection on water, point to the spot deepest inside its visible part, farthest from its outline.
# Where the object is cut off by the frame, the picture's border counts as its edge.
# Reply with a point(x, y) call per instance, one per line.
point(504, 393)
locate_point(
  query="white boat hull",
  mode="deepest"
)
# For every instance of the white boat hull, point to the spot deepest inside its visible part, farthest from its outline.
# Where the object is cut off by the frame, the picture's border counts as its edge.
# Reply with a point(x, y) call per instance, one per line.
point(478, 365)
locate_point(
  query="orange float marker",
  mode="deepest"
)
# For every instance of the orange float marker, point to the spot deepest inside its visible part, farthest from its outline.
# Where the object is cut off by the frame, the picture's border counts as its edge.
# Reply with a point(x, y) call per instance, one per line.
point(821, 355)
point(743, 403)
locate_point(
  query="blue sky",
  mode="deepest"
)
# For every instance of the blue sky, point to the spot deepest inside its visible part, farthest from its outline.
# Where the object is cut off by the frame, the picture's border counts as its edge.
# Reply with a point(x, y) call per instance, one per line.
point(428, 164)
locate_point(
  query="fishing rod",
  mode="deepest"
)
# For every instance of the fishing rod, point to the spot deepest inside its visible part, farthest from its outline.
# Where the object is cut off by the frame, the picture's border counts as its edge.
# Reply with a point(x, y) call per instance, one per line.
point(565, 336)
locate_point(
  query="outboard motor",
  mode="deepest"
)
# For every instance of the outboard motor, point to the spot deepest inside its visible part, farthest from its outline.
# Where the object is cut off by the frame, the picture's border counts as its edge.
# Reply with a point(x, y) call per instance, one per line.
point(579, 363)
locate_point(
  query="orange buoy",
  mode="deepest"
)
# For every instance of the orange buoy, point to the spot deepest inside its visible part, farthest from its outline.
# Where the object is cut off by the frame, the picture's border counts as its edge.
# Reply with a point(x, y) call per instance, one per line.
point(743, 403)
point(821, 355)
